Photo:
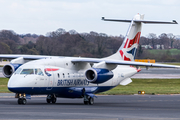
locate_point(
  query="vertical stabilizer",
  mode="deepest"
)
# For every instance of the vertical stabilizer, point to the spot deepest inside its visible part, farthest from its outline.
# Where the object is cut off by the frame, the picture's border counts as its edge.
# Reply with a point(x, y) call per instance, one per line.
point(128, 49)
point(130, 44)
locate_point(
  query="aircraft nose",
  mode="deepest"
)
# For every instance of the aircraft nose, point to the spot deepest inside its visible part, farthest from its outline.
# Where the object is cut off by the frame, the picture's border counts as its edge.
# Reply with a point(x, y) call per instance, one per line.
point(9, 82)
point(13, 84)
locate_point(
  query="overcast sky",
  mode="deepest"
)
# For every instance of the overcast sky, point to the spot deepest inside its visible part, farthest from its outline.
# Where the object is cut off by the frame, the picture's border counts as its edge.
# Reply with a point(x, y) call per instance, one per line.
point(42, 16)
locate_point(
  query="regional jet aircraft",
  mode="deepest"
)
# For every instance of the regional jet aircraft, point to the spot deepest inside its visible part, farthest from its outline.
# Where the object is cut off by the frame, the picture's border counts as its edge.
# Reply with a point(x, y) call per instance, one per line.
point(77, 77)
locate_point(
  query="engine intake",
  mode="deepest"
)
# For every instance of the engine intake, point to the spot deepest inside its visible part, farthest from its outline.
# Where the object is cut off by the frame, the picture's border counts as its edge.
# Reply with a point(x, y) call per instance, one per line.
point(9, 69)
point(98, 75)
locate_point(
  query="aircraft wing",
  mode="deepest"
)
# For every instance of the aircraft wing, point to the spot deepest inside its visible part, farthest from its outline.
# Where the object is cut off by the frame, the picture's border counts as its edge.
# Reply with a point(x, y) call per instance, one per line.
point(88, 60)
point(120, 62)
point(26, 57)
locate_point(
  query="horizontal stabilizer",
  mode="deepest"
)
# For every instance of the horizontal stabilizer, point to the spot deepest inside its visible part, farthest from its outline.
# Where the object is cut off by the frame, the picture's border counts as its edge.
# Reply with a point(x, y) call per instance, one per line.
point(142, 21)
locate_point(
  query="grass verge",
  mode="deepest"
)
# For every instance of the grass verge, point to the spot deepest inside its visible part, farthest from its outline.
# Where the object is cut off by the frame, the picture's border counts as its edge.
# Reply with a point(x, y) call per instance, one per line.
point(175, 63)
point(157, 86)
point(164, 51)
point(3, 85)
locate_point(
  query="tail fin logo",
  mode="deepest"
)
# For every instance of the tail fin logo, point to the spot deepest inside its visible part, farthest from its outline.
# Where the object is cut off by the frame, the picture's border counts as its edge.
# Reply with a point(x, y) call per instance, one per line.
point(128, 52)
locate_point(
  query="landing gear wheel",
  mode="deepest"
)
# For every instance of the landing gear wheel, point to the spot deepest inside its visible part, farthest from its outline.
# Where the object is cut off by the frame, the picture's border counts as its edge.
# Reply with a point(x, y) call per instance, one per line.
point(91, 101)
point(48, 100)
point(86, 102)
point(19, 100)
point(22, 101)
point(53, 99)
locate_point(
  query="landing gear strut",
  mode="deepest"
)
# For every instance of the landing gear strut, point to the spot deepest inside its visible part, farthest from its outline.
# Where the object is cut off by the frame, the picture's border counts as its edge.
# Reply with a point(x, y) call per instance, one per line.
point(51, 99)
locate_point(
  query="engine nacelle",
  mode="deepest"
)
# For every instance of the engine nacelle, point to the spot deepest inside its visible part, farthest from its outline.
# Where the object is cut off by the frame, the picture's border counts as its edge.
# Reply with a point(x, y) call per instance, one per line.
point(98, 75)
point(9, 69)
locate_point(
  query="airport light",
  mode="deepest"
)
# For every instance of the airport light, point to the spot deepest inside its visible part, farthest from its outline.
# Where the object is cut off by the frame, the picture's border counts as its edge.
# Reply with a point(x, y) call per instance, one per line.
point(141, 92)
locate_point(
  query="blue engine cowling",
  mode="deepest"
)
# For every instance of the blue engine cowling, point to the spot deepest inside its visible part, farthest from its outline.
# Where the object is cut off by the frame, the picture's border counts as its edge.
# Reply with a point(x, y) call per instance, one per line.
point(9, 69)
point(98, 75)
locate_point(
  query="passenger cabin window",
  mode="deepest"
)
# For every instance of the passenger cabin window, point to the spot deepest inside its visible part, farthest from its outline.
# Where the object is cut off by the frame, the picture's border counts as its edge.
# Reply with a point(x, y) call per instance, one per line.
point(58, 75)
point(38, 71)
point(27, 71)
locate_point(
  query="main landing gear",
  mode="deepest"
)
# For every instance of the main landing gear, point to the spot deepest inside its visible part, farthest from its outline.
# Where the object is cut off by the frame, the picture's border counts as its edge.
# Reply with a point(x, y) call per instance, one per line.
point(51, 99)
point(87, 99)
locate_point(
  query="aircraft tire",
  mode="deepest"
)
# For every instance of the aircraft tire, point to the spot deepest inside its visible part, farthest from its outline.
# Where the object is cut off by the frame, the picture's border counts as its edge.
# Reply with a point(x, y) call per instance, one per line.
point(53, 99)
point(23, 101)
point(48, 100)
point(19, 100)
point(86, 102)
point(91, 101)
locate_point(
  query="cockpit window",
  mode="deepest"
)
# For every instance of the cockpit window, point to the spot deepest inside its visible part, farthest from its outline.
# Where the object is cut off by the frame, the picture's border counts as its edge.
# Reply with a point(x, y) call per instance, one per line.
point(38, 72)
point(18, 71)
point(27, 71)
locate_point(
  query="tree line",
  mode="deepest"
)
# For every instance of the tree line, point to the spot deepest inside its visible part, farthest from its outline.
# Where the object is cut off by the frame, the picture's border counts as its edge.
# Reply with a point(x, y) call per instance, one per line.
point(72, 43)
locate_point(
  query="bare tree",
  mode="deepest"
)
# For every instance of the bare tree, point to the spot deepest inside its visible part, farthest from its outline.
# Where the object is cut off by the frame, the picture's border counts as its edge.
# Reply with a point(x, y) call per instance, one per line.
point(9, 35)
point(4, 48)
point(153, 38)
point(73, 32)
point(164, 40)
point(172, 39)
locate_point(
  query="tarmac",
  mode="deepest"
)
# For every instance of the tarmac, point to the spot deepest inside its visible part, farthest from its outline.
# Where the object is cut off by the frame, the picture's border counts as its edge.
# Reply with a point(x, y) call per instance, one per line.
point(111, 107)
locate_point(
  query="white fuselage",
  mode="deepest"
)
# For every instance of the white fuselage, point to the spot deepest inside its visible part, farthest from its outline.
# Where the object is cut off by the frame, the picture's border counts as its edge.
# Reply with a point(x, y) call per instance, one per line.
point(59, 74)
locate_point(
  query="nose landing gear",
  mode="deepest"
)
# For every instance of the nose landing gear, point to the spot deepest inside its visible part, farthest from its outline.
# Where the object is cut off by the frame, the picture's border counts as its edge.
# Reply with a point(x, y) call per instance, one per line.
point(22, 101)
point(21, 98)
point(51, 99)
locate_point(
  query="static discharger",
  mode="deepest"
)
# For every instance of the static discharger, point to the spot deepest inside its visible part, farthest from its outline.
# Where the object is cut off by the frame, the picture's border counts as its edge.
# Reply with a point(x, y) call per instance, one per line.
point(141, 92)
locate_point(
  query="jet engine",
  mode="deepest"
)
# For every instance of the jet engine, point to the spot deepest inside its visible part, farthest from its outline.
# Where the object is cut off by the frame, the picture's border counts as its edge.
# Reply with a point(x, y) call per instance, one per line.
point(9, 69)
point(98, 75)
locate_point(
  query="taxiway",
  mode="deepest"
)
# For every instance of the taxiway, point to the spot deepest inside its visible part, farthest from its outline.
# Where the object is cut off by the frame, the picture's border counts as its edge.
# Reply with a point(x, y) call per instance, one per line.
point(111, 107)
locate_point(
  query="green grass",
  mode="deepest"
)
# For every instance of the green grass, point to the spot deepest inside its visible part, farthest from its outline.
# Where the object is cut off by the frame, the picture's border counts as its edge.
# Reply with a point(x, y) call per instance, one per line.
point(157, 86)
point(1, 65)
point(164, 51)
point(175, 63)
point(3, 85)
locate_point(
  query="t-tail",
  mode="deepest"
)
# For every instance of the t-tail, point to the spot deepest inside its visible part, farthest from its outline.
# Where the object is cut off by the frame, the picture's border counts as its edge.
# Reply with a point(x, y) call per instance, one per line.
point(128, 49)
